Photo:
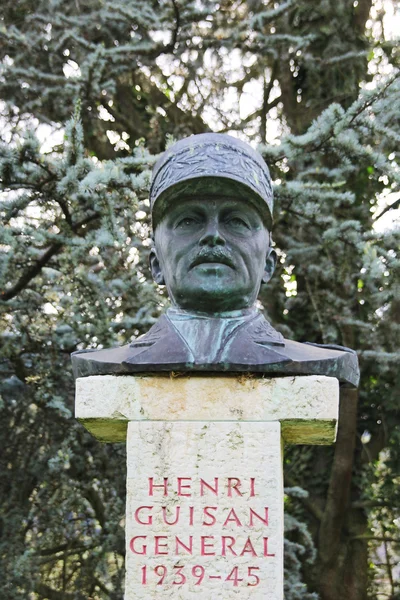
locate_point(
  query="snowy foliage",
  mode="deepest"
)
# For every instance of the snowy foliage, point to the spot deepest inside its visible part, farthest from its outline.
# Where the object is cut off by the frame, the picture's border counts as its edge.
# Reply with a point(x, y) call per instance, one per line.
point(118, 80)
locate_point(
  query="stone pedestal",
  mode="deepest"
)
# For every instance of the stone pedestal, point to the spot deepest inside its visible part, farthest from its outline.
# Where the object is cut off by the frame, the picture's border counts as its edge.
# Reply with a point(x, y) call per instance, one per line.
point(204, 513)
point(204, 510)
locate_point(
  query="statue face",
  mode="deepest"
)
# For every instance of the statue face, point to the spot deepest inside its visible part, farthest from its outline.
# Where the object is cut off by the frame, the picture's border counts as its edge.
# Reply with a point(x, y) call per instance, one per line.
point(212, 254)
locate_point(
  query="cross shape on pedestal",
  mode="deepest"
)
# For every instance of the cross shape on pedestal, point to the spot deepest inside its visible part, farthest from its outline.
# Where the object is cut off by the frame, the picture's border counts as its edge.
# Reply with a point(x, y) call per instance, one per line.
point(204, 510)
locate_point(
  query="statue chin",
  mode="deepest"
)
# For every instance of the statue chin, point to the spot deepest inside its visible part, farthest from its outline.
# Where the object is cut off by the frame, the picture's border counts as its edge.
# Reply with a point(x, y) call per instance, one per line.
point(212, 293)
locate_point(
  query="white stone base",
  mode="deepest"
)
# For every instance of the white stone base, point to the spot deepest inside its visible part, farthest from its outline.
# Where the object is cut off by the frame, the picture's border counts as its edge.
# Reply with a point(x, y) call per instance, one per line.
point(224, 482)
point(215, 442)
point(306, 406)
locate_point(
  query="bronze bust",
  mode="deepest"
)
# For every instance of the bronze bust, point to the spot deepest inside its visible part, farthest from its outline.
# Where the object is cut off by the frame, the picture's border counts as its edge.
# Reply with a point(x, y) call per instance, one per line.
point(211, 201)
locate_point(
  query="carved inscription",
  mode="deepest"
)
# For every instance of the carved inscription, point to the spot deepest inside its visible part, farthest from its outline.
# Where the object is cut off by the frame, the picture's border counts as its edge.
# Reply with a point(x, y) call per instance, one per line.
point(199, 521)
point(204, 511)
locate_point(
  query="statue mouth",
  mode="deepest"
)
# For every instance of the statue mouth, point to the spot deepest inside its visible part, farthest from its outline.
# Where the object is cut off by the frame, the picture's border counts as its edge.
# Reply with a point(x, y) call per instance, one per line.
point(212, 258)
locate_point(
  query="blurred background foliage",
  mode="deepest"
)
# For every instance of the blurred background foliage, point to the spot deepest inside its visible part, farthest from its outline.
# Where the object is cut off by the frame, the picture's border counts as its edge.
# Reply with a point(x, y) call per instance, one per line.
point(90, 93)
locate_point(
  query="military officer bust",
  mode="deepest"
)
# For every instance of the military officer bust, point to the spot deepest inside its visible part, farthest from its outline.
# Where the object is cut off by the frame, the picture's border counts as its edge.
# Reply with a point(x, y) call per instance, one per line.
point(211, 201)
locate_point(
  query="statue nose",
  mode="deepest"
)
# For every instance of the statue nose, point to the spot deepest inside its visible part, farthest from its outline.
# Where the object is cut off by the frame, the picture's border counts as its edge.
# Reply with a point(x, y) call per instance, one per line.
point(212, 235)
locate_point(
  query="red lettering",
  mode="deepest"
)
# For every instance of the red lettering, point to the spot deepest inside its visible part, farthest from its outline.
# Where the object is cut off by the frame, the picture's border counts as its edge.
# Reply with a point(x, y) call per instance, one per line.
point(191, 513)
point(164, 515)
point(232, 516)
point(266, 547)
point(248, 547)
point(182, 486)
point(137, 515)
point(188, 549)
point(143, 549)
point(144, 575)
point(234, 576)
point(234, 484)
point(227, 543)
point(153, 486)
point(254, 514)
point(199, 572)
point(250, 573)
point(161, 571)
point(204, 546)
point(159, 546)
point(181, 577)
point(204, 484)
point(252, 487)
point(206, 513)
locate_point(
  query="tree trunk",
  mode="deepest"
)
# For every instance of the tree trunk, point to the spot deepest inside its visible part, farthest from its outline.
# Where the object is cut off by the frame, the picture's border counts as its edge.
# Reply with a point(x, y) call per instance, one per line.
point(342, 563)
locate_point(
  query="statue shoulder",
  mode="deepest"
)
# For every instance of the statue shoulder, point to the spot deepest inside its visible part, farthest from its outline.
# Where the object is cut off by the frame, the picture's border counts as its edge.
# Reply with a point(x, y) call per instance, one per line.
point(120, 360)
point(331, 360)
point(332, 347)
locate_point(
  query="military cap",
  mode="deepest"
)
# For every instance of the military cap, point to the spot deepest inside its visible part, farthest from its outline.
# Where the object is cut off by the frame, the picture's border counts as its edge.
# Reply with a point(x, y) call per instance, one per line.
point(213, 164)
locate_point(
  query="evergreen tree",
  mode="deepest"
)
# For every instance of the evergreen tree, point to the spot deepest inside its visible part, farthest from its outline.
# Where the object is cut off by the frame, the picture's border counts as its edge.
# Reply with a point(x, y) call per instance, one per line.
point(117, 79)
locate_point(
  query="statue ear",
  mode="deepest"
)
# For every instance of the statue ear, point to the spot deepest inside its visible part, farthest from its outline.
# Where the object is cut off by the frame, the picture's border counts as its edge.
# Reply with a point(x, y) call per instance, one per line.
point(270, 263)
point(156, 268)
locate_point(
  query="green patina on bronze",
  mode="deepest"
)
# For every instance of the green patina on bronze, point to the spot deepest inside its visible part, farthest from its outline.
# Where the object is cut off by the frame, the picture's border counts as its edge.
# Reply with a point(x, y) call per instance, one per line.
point(212, 253)
point(212, 205)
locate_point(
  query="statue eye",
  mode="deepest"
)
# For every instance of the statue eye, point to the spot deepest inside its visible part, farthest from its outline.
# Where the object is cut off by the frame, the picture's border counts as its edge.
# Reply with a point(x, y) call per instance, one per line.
point(237, 223)
point(186, 222)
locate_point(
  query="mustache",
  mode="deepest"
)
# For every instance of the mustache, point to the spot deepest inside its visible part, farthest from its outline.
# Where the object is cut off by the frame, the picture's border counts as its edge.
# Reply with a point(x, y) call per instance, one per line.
point(213, 255)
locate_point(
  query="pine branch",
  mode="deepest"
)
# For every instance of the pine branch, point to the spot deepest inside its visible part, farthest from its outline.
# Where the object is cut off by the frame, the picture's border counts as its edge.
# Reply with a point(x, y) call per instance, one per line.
point(38, 265)
point(61, 548)
point(31, 273)
point(378, 538)
point(177, 26)
point(266, 107)
point(311, 507)
point(97, 504)
point(389, 566)
point(370, 504)
point(312, 146)
point(51, 594)
point(102, 587)
point(392, 206)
